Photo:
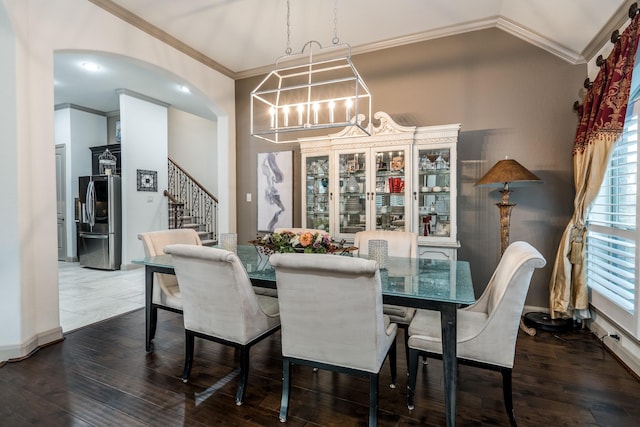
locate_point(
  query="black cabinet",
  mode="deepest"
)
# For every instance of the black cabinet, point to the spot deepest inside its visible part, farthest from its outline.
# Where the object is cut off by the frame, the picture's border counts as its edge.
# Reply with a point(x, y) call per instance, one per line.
point(96, 152)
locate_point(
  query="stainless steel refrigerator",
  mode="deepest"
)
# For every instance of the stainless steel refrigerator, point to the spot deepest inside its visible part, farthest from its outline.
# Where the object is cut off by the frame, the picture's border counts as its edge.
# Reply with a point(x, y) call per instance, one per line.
point(100, 224)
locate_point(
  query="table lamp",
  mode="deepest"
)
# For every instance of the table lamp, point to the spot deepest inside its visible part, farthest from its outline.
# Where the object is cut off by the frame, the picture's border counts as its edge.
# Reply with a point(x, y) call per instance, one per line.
point(506, 173)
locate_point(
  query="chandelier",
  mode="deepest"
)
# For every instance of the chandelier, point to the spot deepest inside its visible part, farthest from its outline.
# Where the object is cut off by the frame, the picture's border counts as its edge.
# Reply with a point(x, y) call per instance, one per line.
point(308, 92)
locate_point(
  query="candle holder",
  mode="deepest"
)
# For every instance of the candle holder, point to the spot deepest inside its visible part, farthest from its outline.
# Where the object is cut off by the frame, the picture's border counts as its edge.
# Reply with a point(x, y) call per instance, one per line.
point(229, 241)
point(379, 251)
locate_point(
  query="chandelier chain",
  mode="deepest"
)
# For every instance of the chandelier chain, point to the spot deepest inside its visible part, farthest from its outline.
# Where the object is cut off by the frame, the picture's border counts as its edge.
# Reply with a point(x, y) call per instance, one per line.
point(335, 40)
point(288, 49)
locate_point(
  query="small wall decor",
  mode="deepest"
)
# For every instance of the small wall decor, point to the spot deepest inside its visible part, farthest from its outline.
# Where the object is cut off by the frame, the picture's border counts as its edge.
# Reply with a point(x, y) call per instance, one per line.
point(107, 163)
point(118, 134)
point(275, 190)
point(147, 180)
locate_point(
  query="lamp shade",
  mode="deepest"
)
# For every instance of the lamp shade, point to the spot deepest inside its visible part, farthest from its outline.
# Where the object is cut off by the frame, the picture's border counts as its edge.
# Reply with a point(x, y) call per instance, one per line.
point(507, 172)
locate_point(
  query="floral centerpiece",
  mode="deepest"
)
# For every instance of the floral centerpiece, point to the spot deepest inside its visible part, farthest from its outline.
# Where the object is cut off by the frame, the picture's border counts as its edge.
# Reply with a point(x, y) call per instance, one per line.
point(300, 242)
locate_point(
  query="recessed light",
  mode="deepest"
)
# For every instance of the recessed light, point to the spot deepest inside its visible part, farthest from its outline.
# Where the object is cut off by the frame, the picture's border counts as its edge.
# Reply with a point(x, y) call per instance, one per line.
point(91, 66)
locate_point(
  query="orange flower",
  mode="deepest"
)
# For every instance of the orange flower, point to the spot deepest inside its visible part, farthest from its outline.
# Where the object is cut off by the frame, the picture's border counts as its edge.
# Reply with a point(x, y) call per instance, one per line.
point(306, 239)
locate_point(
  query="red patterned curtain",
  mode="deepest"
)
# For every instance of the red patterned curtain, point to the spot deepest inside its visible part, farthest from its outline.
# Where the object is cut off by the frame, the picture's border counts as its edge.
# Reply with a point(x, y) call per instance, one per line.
point(602, 116)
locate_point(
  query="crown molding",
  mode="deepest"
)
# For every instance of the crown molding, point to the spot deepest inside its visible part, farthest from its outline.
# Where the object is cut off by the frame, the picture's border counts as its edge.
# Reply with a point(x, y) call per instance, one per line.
point(152, 30)
point(497, 21)
point(142, 97)
point(79, 108)
point(620, 18)
point(452, 30)
point(542, 42)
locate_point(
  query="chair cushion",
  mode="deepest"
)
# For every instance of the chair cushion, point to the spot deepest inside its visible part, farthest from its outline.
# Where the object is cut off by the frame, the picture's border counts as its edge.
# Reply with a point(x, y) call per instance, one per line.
point(268, 304)
point(425, 332)
point(259, 290)
point(398, 313)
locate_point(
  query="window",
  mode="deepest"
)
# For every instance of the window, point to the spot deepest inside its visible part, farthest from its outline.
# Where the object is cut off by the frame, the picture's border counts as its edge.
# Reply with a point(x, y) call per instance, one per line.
point(612, 264)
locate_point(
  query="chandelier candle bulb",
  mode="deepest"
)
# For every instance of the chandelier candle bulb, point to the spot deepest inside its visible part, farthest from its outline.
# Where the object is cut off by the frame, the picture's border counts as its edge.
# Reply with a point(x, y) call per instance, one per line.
point(332, 105)
point(316, 107)
point(349, 103)
point(285, 111)
point(300, 111)
point(272, 113)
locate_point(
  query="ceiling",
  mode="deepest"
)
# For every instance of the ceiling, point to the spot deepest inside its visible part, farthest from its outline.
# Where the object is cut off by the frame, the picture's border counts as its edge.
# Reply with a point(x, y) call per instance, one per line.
point(241, 38)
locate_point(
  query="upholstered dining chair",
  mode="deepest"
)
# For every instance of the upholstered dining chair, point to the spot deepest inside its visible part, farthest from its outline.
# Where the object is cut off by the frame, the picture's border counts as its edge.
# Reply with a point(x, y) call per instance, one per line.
point(401, 244)
point(166, 292)
point(331, 314)
point(486, 330)
point(219, 304)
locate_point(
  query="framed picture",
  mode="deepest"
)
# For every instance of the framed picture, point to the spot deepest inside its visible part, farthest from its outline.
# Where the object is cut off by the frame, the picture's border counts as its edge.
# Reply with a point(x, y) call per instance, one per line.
point(118, 134)
point(147, 180)
point(275, 190)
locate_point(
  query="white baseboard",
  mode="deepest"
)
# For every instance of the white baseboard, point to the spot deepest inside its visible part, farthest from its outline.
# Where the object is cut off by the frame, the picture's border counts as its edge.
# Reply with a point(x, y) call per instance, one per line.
point(627, 349)
point(20, 351)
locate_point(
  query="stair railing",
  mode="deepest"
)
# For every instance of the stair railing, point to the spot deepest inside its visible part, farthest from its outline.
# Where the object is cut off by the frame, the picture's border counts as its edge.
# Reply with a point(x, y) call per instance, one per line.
point(196, 201)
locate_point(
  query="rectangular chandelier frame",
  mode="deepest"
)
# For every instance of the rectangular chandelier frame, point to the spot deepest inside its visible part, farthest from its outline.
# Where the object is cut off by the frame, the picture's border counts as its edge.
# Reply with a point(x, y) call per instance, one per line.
point(299, 101)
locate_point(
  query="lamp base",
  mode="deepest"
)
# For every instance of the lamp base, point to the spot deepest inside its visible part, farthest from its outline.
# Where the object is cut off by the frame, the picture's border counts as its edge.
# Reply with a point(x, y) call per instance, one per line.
point(543, 321)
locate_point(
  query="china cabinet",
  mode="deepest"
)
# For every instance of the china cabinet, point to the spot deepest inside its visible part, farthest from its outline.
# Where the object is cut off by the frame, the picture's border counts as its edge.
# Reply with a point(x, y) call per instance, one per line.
point(398, 178)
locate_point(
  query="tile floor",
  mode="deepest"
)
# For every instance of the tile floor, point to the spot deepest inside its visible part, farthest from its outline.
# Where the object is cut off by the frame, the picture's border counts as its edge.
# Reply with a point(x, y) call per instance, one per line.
point(89, 296)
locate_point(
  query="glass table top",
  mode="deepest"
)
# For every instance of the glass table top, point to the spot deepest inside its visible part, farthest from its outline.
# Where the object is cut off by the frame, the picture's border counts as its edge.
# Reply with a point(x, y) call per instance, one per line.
point(419, 278)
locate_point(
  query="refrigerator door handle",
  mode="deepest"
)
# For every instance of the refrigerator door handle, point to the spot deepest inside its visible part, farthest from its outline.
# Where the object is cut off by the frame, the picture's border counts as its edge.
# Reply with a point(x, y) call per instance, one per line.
point(94, 236)
point(90, 202)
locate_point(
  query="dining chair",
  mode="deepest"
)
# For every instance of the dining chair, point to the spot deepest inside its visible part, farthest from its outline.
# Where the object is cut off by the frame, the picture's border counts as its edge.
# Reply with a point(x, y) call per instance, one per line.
point(166, 293)
point(331, 314)
point(219, 305)
point(400, 244)
point(486, 330)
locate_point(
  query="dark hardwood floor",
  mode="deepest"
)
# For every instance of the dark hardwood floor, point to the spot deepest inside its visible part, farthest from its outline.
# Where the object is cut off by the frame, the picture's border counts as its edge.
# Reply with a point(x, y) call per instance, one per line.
point(100, 375)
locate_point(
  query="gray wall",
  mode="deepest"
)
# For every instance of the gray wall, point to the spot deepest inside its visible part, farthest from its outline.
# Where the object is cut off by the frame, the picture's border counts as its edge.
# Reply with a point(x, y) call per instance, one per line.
point(512, 99)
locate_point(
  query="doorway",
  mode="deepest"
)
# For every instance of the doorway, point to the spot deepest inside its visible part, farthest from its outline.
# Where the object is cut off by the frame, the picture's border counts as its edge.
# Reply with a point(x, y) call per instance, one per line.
point(61, 195)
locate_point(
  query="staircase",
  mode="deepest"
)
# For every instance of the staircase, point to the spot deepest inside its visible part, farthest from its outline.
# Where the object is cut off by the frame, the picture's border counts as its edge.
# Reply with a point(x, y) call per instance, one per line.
point(191, 205)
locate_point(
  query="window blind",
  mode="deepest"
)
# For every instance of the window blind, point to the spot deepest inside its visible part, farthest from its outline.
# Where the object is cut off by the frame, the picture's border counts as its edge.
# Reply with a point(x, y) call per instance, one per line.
point(611, 223)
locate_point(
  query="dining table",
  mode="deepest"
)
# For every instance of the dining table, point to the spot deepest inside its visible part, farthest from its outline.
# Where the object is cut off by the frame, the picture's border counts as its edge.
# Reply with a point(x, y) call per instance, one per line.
point(423, 283)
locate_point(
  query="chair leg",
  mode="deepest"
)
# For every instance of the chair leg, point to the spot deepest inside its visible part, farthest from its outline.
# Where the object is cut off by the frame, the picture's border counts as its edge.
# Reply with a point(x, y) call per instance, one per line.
point(507, 391)
point(405, 329)
point(393, 365)
point(373, 400)
point(189, 342)
point(413, 373)
point(244, 374)
point(286, 385)
point(154, 322)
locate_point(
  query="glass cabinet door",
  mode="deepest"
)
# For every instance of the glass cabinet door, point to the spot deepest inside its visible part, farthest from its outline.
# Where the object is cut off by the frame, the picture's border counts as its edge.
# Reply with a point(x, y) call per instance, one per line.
point(317, 192)
point(352, 199)
point(389, 192)
point(434, 197)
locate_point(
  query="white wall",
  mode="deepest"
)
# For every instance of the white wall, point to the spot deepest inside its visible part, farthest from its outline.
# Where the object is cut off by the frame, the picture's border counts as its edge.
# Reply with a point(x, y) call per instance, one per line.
point(192, 145)
point(78, 130)
point(30, 32)
point(144, 146)
point(10, 271)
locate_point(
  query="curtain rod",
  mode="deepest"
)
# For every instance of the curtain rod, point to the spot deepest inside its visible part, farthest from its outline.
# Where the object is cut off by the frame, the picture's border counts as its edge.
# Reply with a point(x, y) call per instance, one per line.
point(600, 61)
